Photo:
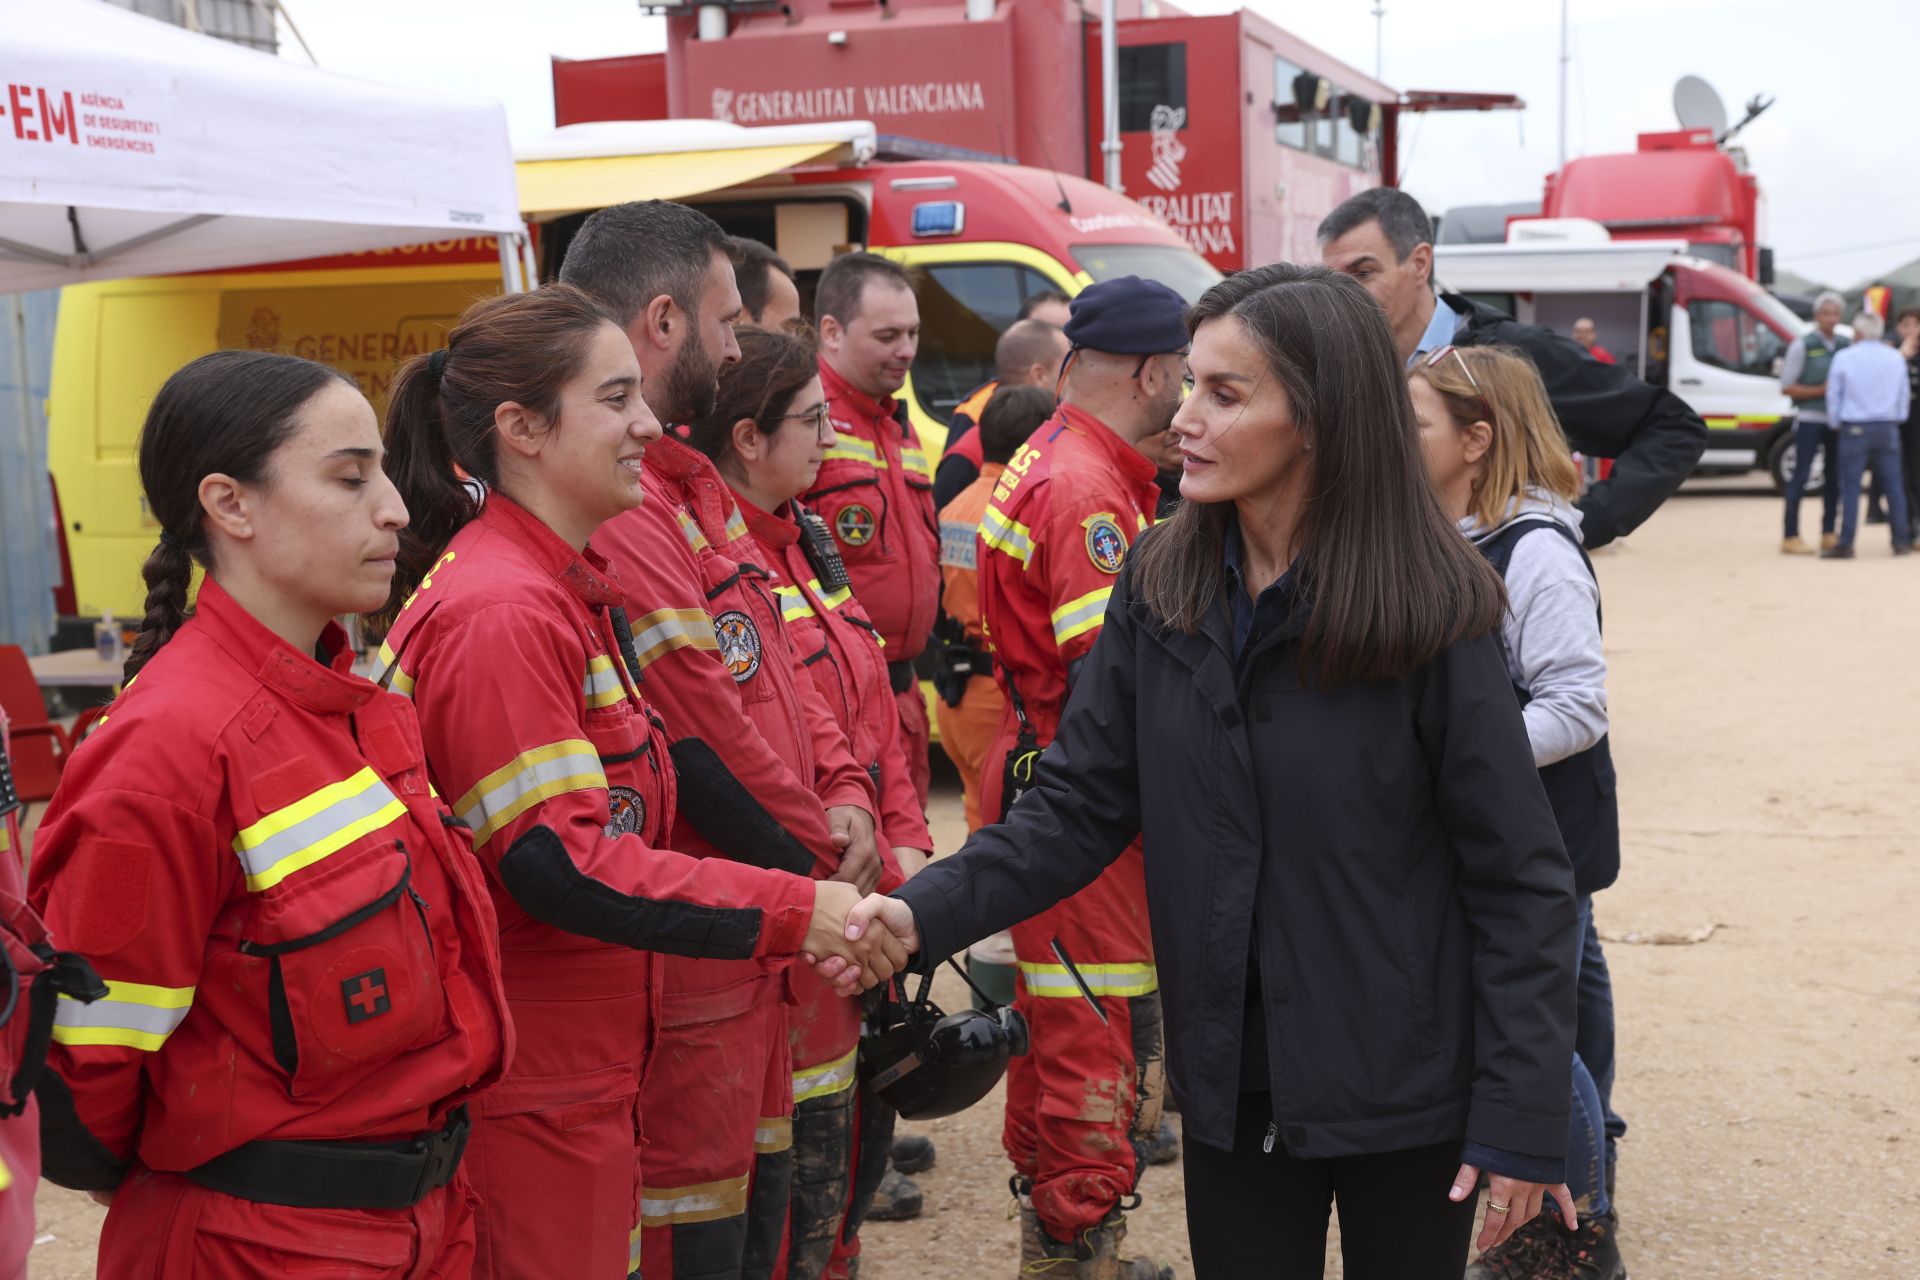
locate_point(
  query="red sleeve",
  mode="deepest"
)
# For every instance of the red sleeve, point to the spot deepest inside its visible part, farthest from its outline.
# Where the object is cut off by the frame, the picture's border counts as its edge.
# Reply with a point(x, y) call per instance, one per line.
point(132, 882)
point(1078, 551)
point(901, 817)
point(837, 776)
point(516, 753)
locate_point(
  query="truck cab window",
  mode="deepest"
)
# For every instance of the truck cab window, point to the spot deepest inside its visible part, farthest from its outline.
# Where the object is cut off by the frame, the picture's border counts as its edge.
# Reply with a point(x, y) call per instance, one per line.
point(1727, 336)
point(1151, 75)
point(963, 309)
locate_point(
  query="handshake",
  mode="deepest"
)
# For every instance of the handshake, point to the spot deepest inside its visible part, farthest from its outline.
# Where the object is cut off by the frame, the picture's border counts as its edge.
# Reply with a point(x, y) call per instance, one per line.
point(855, 942)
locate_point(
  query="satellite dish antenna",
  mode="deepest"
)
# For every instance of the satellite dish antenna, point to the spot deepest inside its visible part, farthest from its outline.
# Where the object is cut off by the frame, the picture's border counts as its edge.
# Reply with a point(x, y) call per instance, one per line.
point(1698, 106)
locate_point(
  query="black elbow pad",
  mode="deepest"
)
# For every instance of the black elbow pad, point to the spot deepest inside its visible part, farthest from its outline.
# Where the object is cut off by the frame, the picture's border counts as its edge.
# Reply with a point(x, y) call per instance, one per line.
point(69, 1153)
point(727, 814)
point(550, 887)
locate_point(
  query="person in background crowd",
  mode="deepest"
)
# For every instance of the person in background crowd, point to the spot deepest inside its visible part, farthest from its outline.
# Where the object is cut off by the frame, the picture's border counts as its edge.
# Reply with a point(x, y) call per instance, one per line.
point(768, 295)
point(1299, 690)
point(875, 488)
point(1049, 305)
point(1052, 540)
point(1803, 379)
point(1504, 472)
point(765, 773)
point(767, 437)
point(1383, 238)
point(1907, 328)
point(1028, 354)
point(1868, 397)
point(303, 978)
point(971, 705)
point(1588, 335)
point(565, 778)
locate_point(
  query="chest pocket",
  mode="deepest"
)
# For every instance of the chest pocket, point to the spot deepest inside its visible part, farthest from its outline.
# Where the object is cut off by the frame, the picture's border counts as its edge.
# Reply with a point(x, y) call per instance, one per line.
point(851, 499)
point(637, 801)
point(352, 977)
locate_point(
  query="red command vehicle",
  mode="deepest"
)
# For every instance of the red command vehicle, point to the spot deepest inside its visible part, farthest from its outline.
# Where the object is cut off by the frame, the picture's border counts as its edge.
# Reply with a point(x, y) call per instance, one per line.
point(1238, 135)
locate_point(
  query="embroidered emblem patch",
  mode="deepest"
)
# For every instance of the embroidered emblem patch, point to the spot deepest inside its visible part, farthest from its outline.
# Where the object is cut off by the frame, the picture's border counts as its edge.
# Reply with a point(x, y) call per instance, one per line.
point(1106, 545)
point(366, 995)
point(739, 644)
point(626, 812)
point(855, 525)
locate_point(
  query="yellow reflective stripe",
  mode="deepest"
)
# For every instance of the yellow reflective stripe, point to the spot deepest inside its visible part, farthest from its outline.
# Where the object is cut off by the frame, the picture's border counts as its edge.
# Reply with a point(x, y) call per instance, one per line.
point(916, 457)
point(633, 1250)
point(691, 530)
point(1139, 521)
point(602, 687)
point(736, 527)
point(847, 446)
point(772, 1134)
point(526, 780)
point(311, 828)
point(824, 1078)
point(132, 1015)
point(6, 837)
point(402, 683)
point(793, 603)
point(659, 633)
point(1077, 617)
point(1003, 534)
point(702, 1202)
point(1053, 980)
point(1741, 421)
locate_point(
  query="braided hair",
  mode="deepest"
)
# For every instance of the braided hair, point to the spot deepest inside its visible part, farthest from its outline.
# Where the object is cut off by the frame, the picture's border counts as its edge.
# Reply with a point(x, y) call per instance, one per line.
point(223, 414)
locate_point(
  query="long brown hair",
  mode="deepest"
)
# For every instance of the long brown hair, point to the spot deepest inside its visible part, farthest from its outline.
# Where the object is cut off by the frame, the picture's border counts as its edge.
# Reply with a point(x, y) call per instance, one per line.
point(521, 347)
point(225, 413)
point(1387, 580)
point(1500, 387)
point(773, 369)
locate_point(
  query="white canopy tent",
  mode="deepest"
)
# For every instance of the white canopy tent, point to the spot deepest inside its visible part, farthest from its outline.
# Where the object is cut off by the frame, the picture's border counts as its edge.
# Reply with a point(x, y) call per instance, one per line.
point(130, 147)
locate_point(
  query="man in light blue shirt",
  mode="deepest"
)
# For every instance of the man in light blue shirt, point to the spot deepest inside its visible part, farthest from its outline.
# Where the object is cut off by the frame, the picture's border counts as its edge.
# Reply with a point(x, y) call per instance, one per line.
point(1867, 400)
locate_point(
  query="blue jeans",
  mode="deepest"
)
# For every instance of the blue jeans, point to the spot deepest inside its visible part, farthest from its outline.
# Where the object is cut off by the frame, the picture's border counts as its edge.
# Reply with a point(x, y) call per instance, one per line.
point(1593, 1039)
point(1808, 436)
point(1877, 443)
point(1588, 1147)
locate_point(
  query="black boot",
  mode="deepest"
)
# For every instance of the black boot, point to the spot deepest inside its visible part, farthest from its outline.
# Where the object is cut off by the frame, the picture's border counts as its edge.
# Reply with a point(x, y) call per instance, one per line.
point(1593, 1251)
point(1537, 1251)
point(913, 1153)
point(897, 1200)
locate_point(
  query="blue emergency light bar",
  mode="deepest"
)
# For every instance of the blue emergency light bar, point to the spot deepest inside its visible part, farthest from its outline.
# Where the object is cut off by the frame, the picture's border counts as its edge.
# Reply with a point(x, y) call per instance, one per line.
point(939, 218)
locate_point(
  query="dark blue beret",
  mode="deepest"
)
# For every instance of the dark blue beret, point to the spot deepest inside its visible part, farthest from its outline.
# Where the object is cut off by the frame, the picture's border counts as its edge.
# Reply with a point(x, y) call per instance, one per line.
point(1128, 316)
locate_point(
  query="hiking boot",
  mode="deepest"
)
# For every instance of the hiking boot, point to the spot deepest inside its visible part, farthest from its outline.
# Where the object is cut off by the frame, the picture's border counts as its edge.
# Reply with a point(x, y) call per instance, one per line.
point(1094, 1256)
point(1828, 541)
point(1795, 546)
point(1163, 1147)
point(1593, 1251)
point(1837, 552)
point(1537, 1251)
point(897, 1199)
point(913, 1153)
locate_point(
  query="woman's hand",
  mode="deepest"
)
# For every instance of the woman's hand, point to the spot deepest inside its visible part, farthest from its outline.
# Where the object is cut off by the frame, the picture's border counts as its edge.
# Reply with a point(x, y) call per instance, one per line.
point(851, 960)
point(877, 919)
point(1511, 1203)
point(860, 864)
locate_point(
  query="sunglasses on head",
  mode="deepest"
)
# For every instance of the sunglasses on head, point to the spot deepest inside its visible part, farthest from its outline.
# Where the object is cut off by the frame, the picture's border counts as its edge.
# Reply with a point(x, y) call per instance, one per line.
point(1438, 354)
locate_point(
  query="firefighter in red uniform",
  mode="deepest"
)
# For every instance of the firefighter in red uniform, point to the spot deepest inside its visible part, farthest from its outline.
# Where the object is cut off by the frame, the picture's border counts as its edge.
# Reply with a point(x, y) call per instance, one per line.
point(302, 982)
point(875, 489)
point(1028, 354)
point(767, 436)
point(1054, 536)
point(561, 768)
point(763, 768)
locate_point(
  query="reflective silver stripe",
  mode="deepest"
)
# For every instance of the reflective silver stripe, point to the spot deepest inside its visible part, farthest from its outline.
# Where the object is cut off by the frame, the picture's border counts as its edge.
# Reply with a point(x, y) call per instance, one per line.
point(1077, 617)
point(132, 1015)
point(793, 603)
point(1010, 536)
point(304, 832)
point(1102, 979)
point(705, 1202)
point(824, 1078)
point(664, 630)
point(602, 687)
point(525, 781)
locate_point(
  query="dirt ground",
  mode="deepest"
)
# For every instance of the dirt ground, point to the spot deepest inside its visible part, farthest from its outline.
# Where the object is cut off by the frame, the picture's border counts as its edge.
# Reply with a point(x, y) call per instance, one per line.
point(1764, 714)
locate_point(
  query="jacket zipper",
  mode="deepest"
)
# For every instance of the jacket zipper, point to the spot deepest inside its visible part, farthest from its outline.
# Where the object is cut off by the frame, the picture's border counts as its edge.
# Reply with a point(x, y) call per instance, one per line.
point(419, 903)
point(1273, 1131)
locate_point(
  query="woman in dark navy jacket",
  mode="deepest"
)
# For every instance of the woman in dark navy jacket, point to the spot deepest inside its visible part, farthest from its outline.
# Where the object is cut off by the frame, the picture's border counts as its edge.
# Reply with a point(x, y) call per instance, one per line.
point(1363, 913)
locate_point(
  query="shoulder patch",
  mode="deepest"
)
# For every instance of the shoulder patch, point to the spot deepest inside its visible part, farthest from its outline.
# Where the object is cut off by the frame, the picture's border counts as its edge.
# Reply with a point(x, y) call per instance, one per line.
point(855, 524)
point(1106, 544)
point(626, 812)
point(739, 644)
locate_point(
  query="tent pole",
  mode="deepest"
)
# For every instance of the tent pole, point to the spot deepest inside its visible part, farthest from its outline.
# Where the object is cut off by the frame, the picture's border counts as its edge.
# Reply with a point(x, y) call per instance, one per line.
point(529, 259)
point(509, 267)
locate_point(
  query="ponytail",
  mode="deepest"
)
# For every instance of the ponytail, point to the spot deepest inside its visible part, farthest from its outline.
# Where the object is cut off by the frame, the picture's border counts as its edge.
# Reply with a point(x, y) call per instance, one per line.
point(518, 347)
point(168, 572)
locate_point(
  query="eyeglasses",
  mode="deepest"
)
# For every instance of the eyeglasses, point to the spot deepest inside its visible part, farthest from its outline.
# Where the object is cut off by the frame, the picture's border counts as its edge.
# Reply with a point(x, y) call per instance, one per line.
point(1438, 354)
point(816, 415)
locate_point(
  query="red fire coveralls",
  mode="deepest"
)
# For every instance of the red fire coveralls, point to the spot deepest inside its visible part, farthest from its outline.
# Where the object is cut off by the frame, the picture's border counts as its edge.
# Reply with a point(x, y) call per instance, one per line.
point(759, 758)
point(1052, 540)
point(967, 731)
point(836, 1176)
point(240, 797)
point(533, 722)
point(19, 1135)
point(875, 491)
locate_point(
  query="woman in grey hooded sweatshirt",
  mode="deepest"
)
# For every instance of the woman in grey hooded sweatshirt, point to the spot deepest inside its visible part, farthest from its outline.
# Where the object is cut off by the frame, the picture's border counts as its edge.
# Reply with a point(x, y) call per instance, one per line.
point(1503, 469)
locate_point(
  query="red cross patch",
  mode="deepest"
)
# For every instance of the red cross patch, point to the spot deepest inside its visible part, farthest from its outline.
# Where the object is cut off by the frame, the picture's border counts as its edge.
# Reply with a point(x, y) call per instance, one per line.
point(366, 995)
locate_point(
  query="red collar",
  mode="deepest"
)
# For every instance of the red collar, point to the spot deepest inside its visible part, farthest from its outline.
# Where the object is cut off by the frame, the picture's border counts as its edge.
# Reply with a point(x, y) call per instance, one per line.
point(775, 532)
point(330, 689)
point(693, 472)
point(838, 388)
point(585, 573)
point(1133, 464)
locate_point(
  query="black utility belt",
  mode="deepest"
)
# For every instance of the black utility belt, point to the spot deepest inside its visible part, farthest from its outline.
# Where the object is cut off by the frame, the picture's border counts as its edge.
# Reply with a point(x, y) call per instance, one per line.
point(340, 1175)
point(900, 676)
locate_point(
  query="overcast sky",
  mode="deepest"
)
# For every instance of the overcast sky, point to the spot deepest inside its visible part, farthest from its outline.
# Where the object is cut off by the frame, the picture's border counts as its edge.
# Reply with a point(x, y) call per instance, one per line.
point(1838, 156)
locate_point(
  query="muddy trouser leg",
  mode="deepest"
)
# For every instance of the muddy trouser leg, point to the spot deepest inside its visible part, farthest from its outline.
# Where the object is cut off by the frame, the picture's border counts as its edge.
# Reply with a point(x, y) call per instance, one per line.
point(825, 1041)
point(775, 1153)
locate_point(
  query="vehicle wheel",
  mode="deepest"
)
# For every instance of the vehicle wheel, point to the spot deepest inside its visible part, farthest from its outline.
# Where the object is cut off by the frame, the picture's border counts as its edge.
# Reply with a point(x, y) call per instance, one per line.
point(1780, 459)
